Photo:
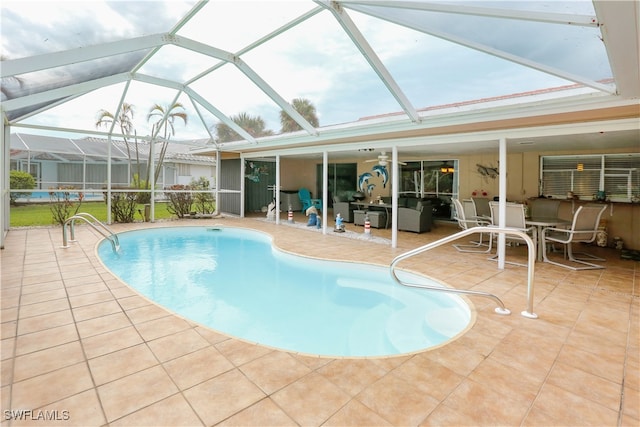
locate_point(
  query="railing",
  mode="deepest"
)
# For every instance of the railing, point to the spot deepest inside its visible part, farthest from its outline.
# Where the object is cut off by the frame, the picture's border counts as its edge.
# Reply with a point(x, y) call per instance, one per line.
point(96, 225)
point(501, 309)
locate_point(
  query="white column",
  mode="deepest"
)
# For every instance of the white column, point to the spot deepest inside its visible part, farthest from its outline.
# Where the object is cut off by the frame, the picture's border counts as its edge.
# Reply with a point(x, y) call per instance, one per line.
point(277, 188)
point(395, 187)
point(502, 208)
point(325, 189)
point(5, 213)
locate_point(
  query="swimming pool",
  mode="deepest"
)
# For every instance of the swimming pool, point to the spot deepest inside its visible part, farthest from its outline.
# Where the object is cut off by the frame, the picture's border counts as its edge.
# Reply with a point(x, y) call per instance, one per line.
point(234, 281)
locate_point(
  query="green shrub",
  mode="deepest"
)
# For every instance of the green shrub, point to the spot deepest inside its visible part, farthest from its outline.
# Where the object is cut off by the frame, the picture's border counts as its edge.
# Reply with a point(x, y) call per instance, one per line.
point(204, 202)
point(19, 180)
point(179, 202)
point(61, 204)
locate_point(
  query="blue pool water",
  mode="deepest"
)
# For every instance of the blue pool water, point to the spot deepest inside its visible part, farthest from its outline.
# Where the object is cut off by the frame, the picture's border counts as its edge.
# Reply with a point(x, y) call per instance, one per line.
point(234, 281)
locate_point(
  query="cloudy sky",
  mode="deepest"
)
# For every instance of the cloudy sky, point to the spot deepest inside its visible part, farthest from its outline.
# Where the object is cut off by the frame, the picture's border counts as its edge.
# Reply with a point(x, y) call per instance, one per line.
point(314, 60)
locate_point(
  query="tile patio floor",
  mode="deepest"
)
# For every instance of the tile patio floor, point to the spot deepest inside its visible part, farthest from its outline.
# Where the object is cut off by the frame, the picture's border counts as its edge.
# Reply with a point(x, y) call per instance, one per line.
point(82, 347)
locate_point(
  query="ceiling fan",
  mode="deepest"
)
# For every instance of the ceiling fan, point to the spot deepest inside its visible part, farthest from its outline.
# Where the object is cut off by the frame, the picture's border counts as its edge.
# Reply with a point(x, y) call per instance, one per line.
point(383, 159)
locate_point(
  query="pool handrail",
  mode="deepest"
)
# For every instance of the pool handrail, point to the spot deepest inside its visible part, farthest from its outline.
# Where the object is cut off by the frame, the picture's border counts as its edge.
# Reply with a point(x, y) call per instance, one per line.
point(105, 231)
point(479, 229)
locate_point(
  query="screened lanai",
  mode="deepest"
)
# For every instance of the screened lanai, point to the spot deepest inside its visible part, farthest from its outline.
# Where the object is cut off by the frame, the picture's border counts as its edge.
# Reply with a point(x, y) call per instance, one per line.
point(82, 164)
point(408, 78)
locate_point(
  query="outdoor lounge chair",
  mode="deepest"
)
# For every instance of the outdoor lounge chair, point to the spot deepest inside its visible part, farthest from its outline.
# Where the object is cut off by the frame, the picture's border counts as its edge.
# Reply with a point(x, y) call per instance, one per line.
point(307, 201)
point(583, 230)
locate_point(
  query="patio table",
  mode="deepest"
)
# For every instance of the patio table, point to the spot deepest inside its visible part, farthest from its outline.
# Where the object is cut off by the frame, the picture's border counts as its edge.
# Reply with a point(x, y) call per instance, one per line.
point(541, 223)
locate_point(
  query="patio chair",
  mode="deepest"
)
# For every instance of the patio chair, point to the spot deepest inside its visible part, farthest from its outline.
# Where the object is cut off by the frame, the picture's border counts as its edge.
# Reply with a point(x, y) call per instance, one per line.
point(418, 219)
point(482, 206)
point(514, 218)
point(467, 218)
point(344, 208)
point(584, 227)
point(307, 201)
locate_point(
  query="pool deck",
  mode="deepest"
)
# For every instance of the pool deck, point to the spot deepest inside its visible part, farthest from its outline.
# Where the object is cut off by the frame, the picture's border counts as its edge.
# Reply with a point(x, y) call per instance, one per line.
point(83, 348)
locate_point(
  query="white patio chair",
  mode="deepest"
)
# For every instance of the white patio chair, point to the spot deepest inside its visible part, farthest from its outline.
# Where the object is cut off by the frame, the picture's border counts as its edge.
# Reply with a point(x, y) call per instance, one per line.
point(467, 218)
point(514, 218)
point(583, 230)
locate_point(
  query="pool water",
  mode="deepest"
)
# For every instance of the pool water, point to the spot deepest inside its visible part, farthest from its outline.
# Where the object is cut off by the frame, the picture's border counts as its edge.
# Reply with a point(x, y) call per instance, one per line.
point(234, 281)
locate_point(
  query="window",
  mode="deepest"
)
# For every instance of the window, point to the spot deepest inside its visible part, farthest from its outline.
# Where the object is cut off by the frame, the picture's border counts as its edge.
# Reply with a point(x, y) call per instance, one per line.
point(618, 175)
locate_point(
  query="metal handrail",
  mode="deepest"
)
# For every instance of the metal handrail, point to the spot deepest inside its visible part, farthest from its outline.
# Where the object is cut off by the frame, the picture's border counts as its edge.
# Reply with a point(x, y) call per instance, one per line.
point(105, 231)
point(501, 309)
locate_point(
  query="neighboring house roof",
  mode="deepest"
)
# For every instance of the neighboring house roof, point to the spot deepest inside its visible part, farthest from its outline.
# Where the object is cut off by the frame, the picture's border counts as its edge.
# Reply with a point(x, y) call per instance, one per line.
point(42, 147)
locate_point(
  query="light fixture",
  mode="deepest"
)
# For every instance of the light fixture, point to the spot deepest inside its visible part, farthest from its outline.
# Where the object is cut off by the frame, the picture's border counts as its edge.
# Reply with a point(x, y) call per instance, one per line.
point(445, 168)
point(580, 167)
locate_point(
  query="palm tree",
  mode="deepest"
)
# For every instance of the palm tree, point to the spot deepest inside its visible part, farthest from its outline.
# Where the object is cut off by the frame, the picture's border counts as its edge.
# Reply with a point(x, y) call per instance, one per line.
point(157, 114)
point(306, 110)
point(124, 120)
point(255, 126)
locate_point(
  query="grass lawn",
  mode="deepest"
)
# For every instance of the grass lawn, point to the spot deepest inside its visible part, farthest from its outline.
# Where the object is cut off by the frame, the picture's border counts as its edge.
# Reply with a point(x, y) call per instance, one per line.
point(32, 214)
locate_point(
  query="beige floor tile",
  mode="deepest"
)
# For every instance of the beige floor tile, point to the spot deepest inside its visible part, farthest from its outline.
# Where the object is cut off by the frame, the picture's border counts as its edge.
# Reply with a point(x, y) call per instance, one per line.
point(429, 376)
point(222, 396)
point(311, 400)
point(6, 373)
point(263, 413)
point(555, 406)
point(161, 327)
point(398, 401)
point(121, 363)
point(45, 296)
point(9, 329)
point(91, 298)
point(45, 338)
point(609, 367)
point(85, 288)
point(102, 324)
point(484, 404)
point(81, 410)
point(584, 384)
point(352, 375)
point(133, 301)
point(108, 342)
point(41, 287)
point(44, 321)
point(96, 310)
point(197, 367)
point(146, 312)
point(47, 360)
point(7, 348)
point(173, 411)
point(355, 413)
point(134, 392)
point(240, 352)
point(274, 371)
point(631, 404)
point(210, 335)
point(47, 388)
point(38, 309)
point(178, 344)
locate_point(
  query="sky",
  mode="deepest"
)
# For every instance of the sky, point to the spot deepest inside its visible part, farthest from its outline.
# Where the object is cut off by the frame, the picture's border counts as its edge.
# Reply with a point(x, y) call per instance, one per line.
point(314, 60)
